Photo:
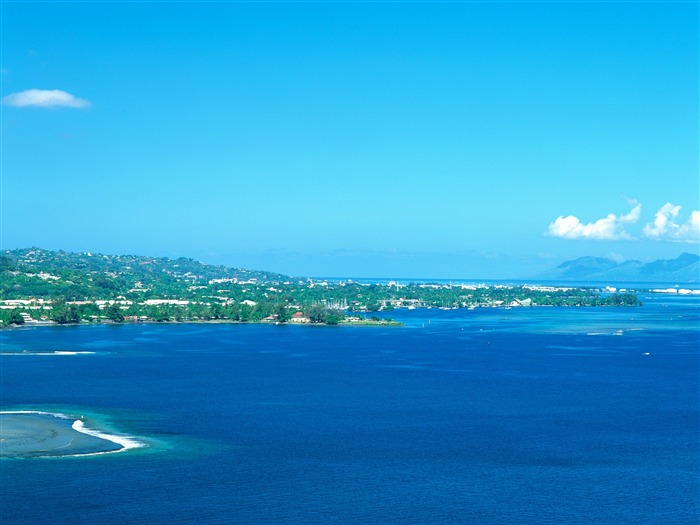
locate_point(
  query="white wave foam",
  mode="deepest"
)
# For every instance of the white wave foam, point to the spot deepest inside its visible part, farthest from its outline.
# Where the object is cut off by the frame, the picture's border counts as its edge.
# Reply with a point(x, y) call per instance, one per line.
point(56, 352)
point(59, 415)
point(127, 442)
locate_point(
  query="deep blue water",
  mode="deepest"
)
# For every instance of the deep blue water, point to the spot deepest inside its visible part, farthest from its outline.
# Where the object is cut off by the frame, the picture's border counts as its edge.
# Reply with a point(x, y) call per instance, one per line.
point(542, 415)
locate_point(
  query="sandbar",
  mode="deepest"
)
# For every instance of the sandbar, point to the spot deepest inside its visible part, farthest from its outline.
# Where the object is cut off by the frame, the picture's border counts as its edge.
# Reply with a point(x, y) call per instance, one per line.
point(34, 434)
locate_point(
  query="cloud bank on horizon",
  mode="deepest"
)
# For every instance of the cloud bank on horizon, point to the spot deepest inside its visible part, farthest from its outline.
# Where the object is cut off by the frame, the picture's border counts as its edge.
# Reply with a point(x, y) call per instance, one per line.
point(664, 227)
point(44, 98)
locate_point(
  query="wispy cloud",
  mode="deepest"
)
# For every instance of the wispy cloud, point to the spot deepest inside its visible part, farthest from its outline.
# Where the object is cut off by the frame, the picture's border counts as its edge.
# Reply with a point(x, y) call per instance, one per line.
point(608, 228)
point(666, 228)
point(44, 98)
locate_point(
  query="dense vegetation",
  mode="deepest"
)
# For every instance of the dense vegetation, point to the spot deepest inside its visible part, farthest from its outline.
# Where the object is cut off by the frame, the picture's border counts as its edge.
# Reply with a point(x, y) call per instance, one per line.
point(79, 276)
point(70, 287)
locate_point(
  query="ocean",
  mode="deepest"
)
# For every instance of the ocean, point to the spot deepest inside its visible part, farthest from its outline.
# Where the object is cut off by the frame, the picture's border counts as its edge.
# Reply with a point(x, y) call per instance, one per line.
point(489, 416)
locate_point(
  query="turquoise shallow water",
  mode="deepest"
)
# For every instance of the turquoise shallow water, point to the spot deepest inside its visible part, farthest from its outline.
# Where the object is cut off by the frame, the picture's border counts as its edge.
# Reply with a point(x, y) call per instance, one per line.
point(32, 435)
point(486, 416)
point(38, 434)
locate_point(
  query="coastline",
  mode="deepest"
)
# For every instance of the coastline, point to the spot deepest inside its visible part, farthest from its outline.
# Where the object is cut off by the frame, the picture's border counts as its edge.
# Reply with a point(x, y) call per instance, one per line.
point(104, 322)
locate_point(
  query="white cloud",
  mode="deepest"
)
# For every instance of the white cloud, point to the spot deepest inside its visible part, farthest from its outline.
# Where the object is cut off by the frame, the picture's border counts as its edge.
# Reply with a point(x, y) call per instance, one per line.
point(608, 228)
point(44, 98)
point(666, 228)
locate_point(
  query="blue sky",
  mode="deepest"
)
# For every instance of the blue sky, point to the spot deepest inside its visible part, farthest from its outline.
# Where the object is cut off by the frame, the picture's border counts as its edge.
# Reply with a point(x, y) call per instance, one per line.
point(452, 140)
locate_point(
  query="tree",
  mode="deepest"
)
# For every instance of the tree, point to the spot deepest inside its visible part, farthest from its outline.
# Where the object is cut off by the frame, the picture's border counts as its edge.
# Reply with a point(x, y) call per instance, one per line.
point(216, 311)
point(114, 313)
point(89, 312)
point(63, 313)
point(316, 313)
point(7, 263)
point(282, 312)
point(334, 317)
point(158, 313)
point(244, 313)
point(373, 306)
point(13, 317)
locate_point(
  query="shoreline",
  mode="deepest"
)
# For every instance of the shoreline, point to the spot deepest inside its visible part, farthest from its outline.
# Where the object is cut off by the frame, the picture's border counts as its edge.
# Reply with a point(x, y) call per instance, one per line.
point(198, 321)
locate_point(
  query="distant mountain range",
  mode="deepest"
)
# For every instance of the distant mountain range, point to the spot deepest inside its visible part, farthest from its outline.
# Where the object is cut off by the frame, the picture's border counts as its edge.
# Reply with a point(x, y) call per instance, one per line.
point(684, 269)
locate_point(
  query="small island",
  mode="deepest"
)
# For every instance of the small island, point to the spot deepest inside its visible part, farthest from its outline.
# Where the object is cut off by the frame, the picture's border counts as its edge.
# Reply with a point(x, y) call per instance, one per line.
point(55, 287)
